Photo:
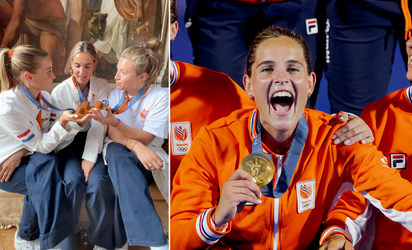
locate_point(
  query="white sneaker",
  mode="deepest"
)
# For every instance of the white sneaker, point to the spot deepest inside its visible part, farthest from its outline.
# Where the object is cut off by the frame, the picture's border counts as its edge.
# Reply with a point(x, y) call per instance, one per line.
point(125, 247)
point(20, 244)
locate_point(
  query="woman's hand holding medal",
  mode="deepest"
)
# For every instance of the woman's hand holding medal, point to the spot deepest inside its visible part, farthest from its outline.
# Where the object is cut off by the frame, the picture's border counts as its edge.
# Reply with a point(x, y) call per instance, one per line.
point(239, 189)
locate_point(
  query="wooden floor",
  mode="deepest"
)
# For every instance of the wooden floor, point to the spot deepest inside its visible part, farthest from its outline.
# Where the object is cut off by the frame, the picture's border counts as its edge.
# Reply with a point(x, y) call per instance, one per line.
point(7, 242)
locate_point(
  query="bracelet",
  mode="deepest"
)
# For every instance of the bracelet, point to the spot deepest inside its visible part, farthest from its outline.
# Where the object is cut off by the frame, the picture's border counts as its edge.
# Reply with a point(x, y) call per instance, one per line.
point(117, 123)
point(125, 142)
point(131, 149)
point(120, 127)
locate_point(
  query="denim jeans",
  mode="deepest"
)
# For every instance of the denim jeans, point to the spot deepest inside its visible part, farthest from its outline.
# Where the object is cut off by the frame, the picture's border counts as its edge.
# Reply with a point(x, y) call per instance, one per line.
point(131, 184)
point(38, 178)
point(100, 200)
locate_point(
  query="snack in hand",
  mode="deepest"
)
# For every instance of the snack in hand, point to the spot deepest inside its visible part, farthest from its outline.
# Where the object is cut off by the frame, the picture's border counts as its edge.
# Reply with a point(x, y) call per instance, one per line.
point(85, 105)
point(98, 104)
point(80, 110)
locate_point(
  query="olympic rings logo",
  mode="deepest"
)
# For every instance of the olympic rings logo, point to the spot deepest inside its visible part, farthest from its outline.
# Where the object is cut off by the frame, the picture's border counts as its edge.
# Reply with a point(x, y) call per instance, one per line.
point(182, 149)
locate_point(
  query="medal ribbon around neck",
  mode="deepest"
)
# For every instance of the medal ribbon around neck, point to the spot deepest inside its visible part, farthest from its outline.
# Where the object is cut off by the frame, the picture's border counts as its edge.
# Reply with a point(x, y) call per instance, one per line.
point(82, 95)
point(27, 93)
point(118, 109)
point(292, 159)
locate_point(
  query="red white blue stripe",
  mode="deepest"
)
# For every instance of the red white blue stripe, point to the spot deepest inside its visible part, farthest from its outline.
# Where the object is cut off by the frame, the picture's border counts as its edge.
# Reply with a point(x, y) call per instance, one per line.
point(52, 117)
point(26, 136)
point(252, 127)
point(409, 94)
point(203, 230)
point(173, 73)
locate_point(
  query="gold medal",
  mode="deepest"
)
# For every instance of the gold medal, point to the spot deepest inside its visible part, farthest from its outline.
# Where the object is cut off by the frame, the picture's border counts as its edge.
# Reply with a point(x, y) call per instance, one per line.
point(260, 167)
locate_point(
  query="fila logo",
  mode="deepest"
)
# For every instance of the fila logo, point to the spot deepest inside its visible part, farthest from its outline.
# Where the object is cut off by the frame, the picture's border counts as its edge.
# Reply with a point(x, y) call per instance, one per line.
point(311, 26)
point(398, 161)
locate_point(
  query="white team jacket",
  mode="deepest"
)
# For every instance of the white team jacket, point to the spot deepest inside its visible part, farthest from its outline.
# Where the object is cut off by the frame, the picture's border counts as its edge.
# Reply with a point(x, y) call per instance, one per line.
point(66, 95)
point(19, 127)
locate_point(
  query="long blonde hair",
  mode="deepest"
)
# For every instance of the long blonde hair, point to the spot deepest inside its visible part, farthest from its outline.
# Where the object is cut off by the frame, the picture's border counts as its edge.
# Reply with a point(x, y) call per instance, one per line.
point(14, 62)
point(146, 58)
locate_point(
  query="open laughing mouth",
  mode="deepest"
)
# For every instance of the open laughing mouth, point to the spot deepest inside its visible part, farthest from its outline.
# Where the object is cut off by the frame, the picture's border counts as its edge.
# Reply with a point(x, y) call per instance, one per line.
point(282, 101)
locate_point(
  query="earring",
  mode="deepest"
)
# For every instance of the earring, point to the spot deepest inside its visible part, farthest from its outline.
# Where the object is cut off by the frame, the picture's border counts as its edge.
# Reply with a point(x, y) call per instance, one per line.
point(71, 71)
point(252, 98)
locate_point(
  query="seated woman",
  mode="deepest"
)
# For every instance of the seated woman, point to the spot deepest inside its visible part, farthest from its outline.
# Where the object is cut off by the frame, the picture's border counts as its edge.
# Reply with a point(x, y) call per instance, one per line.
point(27, 131)
point(215, 203)
point(84, 171)
point(138, 126)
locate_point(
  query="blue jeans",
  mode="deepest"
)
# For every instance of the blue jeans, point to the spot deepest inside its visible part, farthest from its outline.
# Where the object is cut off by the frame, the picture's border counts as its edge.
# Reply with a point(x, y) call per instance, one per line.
point(131, 184)
point(100, 199)
point(106, 226)
point(38, 178)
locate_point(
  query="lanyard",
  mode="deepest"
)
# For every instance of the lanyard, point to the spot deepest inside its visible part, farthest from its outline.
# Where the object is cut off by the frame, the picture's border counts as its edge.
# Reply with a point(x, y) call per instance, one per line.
point(291, 160)
point(123, 100)
point(27, 93)
point(82, 95)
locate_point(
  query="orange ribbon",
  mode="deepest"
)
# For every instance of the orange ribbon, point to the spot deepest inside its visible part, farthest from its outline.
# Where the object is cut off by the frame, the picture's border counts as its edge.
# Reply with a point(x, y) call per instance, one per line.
point(77, 87)
point(39, 120)
point(126, 102)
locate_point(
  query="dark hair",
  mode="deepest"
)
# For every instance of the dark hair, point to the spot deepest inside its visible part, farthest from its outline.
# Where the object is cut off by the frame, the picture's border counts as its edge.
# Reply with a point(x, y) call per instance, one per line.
point(275, 32)
point(13, 62)
point(173, 11)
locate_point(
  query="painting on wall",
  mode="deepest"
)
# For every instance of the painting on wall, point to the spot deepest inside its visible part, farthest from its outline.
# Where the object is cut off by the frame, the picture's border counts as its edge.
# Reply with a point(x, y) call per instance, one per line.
point(57, 25)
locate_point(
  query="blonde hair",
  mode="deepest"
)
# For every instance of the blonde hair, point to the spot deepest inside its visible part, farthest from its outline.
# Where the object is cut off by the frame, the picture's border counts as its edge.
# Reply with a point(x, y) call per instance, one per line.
point(84, 46)
point(146, 58)
point(14, 62)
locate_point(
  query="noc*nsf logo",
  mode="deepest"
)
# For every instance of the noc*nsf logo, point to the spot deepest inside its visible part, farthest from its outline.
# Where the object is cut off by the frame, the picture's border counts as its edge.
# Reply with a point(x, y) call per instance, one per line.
point(180, 134)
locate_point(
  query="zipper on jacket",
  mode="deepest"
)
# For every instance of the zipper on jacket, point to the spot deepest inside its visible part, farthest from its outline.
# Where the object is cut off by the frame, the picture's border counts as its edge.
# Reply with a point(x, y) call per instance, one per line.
point(276, 204)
